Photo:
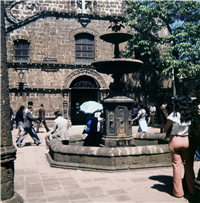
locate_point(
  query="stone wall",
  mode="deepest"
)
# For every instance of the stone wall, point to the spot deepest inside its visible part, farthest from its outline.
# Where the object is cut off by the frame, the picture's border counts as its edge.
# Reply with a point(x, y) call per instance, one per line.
point(50, 27)
point(20, 10)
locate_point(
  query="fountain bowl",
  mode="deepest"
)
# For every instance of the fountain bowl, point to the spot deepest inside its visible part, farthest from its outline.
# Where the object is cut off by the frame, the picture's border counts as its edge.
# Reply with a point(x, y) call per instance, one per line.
point(117, 65)
point(150, 151)
point(116, 38)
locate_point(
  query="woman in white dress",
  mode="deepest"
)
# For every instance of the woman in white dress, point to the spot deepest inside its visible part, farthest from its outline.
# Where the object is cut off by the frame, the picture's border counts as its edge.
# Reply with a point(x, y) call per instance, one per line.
point(141, 116)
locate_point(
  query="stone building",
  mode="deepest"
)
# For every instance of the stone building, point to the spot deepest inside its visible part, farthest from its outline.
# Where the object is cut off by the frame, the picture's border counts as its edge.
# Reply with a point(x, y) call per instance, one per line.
point(50, 47)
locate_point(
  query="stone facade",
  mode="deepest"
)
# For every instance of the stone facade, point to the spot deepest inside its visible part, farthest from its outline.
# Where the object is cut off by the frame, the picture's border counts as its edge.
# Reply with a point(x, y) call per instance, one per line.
point(50, 28)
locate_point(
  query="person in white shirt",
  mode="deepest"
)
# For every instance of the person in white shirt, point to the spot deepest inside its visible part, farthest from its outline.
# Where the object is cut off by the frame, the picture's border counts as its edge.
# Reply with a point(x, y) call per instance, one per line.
point(152, 112)
point(60, 130)
point(180, 120)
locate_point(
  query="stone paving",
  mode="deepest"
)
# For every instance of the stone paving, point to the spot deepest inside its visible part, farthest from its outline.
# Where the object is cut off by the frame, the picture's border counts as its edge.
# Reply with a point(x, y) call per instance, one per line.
point(36, 181)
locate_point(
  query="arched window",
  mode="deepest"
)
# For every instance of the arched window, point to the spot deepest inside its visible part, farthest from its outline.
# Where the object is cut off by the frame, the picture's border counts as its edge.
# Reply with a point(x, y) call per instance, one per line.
point(84, 82)
point(21, 50)
point(84, 46)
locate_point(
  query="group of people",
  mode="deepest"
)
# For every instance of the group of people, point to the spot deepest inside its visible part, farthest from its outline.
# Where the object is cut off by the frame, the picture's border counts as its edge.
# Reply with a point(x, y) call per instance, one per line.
point(141, 117)
point(182, 128)
point(24, 119)
point(94, 124)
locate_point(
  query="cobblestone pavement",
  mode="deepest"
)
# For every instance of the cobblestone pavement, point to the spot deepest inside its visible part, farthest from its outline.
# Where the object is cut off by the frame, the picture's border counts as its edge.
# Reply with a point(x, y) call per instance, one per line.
point(36, 181)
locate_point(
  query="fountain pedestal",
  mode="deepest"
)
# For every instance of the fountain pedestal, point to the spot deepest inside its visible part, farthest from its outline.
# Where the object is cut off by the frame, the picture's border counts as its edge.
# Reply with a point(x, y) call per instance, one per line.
point(117, 121)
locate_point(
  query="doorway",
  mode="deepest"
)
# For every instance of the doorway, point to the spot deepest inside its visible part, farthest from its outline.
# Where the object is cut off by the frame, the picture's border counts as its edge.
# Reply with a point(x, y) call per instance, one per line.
point(83, 89)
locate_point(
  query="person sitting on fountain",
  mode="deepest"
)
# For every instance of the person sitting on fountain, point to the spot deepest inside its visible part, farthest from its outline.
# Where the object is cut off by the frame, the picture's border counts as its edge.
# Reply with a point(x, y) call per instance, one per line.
point(60, 129)
point(91, 122)
point(91, 129)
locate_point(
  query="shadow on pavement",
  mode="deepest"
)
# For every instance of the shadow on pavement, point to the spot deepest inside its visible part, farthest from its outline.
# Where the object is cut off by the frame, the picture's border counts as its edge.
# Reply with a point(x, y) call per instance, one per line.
point(167, 185)
point(28, 144)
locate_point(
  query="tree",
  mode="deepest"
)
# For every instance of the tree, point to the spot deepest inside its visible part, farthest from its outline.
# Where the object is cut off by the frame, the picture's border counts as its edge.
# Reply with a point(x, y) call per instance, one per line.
point(181, 19)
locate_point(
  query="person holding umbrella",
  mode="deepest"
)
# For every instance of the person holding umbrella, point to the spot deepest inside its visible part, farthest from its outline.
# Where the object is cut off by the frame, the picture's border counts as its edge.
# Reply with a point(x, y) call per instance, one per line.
point(91, 122)
point(91, 107)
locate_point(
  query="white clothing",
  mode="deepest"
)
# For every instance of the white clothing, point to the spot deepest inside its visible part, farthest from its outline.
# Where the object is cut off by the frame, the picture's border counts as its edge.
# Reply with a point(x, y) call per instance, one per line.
point(141, 114)
point(142, 126)
point(152, 109)
point(60, 129)
point(178, 128)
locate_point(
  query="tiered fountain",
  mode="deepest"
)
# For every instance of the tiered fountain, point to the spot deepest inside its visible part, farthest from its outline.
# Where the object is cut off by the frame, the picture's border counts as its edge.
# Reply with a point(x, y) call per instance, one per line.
point(117, 107)
point(118, 148)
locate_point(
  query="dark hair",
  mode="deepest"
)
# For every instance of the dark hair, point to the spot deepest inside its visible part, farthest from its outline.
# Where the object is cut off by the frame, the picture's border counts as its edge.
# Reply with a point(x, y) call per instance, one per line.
point(182, 105)
point(141, 105)
point(30, 107)
point(58, 113)
point(30, 103)
point(21, 108)
point(42, 105)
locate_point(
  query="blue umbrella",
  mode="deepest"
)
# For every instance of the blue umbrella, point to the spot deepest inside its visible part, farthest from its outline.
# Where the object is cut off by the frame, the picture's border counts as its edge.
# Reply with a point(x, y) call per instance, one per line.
point(90, 107)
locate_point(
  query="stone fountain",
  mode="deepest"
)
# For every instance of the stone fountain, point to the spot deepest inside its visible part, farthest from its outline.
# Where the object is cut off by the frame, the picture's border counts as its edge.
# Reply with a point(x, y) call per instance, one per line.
point(119, 148)
point(117, 107)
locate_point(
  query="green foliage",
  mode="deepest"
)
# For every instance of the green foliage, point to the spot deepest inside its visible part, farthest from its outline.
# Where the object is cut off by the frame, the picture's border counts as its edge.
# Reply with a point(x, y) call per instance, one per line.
point(181, 19)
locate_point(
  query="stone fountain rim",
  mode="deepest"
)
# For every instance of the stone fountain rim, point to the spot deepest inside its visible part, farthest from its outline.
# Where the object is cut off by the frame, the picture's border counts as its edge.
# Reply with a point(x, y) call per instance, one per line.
point(57, 146)
point(112, 154)
point(118, 60)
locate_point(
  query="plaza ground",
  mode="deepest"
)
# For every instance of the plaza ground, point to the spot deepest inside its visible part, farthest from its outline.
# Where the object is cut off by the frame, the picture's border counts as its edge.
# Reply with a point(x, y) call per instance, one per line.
point(36, 181)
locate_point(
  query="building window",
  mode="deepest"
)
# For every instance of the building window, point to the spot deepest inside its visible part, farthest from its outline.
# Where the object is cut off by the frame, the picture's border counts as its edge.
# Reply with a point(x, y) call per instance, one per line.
point(84, 46)
point(21, 50)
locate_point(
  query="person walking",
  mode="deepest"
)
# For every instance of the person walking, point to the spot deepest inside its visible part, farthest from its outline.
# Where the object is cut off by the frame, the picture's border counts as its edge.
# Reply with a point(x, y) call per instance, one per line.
point(163, 116)
point(152, 112)
point(20, 119)
point(141, 116)
point(60, 130)
point(41, 118)
point(28, 128)
point(180, 120)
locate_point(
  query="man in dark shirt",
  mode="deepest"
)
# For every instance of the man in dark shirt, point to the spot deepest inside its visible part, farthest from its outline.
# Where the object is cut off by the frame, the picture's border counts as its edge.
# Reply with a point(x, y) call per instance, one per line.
point(163, 116)
point(41, 118)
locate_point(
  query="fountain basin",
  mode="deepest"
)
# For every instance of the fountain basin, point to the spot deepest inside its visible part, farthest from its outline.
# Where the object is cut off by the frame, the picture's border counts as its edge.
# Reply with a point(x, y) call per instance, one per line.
point(153, 152)
point(117, 65)
point(116, 38)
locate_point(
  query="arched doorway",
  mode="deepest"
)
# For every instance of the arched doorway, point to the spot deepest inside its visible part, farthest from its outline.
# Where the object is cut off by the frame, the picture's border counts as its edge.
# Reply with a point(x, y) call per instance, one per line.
point(83, 88)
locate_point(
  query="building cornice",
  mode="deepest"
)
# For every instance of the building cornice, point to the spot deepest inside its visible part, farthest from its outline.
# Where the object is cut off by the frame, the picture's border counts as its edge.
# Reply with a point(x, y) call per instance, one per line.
point(83, 19)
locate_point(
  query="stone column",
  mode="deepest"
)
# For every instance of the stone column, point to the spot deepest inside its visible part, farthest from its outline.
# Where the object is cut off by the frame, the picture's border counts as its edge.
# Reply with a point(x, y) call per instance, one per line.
point(66, 104)
point(8, 150)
